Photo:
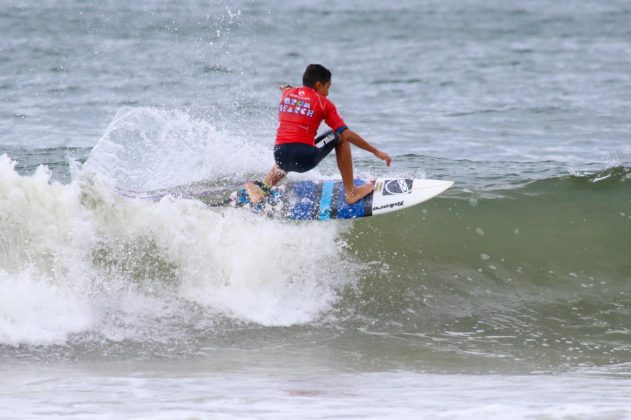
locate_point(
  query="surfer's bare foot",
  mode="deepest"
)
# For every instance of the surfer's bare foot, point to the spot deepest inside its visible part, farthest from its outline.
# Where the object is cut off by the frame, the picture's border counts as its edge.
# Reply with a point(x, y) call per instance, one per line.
point(255, 192)
point(358, 193)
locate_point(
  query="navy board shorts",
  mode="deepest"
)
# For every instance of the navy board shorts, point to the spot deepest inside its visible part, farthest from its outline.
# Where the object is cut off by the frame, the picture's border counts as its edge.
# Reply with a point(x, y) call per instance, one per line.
point(300, 157)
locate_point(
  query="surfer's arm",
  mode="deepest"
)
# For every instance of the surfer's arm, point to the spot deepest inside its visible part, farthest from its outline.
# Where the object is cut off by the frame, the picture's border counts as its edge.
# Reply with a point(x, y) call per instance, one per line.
point(357, 140)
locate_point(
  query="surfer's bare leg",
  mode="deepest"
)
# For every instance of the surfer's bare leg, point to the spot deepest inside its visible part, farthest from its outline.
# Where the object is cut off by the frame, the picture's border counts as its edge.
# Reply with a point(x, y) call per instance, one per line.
point(255, 192)
point(274, 176)
point(345, 163)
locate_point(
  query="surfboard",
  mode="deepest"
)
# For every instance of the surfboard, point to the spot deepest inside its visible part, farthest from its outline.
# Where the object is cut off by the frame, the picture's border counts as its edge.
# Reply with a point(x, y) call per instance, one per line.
point(308, 200)
point(324, 200)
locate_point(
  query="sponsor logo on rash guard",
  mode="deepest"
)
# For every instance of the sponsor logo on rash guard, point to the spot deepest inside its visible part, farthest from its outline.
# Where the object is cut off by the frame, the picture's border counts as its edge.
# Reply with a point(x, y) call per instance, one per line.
point(296, 106)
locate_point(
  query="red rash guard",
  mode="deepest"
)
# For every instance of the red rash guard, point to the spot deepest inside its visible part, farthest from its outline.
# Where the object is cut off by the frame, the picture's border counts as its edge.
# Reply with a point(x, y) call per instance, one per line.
point(300, 113)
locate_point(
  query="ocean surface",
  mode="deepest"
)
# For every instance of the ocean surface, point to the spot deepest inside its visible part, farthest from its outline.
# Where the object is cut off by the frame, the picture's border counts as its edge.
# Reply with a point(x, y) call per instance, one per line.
point(508, 296)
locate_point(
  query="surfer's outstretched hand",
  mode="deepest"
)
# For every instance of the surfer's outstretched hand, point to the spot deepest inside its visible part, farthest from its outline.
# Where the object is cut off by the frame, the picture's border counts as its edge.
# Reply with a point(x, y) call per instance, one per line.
point(383, 156)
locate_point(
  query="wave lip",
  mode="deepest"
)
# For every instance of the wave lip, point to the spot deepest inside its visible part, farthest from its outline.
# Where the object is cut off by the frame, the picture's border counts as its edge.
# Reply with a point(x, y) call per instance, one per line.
point(148, 149)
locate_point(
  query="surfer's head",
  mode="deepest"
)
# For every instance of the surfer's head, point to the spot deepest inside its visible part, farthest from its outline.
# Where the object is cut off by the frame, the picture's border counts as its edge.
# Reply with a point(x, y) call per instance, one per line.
point(318, 77)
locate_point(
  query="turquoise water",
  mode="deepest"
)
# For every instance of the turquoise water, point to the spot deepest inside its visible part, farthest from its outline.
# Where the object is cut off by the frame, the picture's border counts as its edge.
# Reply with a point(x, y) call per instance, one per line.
point(505, 297)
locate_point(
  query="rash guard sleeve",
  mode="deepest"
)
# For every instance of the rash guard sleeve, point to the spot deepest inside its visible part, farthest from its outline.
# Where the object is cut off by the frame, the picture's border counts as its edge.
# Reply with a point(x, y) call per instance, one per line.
point(333, 118)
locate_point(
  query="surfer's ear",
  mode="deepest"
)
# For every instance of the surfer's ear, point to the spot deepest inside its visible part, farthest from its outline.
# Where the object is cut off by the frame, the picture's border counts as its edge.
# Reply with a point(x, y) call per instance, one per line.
point(322, 87)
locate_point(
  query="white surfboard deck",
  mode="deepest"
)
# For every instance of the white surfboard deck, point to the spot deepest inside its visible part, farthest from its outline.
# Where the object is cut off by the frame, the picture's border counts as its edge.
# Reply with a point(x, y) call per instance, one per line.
point(392, 194)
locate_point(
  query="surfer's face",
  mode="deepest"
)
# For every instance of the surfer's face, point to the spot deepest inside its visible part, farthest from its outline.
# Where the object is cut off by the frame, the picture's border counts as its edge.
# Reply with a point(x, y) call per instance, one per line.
point(323, 88)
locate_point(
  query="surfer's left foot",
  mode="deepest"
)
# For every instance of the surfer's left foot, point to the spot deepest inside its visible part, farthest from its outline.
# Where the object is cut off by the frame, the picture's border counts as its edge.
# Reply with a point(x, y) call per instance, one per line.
point(257, 191)
point(358, 193)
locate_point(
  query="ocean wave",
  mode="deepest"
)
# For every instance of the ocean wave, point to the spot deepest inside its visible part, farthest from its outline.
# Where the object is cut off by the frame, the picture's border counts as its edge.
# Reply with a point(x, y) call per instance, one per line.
point(543, 261)
point(116, 267)
point(546, 264)
point(150, 148)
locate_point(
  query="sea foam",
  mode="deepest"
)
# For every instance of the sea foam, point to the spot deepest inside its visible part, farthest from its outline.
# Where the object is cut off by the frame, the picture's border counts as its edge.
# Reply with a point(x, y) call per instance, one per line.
point(78, 258)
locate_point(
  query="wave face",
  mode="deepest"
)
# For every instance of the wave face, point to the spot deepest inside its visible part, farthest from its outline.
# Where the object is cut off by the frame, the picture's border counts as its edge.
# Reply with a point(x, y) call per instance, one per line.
point(521, 271)
point(537, 273)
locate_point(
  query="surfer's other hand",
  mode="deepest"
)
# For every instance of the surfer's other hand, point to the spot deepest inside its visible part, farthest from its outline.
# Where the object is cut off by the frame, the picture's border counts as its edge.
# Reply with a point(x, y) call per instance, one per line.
point(383, 156)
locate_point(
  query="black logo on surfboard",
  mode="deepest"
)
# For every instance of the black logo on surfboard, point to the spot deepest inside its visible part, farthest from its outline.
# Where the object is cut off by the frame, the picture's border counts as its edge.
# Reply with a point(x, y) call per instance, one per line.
point(388, 206)
point(397, 186)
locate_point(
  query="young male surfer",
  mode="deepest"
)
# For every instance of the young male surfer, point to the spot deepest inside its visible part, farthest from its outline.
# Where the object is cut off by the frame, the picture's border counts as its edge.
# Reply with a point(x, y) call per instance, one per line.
point(300, 113)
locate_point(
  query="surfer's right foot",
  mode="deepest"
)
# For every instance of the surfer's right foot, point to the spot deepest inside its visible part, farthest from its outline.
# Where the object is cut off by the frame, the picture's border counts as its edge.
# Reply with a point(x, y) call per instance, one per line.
point(358, 193)
point(256, 191)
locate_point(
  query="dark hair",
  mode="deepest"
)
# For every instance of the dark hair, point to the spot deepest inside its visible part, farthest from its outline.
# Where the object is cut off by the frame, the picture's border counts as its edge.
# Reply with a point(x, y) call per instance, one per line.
point(315, 73)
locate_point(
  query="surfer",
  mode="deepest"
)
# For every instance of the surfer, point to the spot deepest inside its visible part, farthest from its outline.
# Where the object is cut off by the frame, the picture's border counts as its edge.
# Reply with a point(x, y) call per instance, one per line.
point(300, 113)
